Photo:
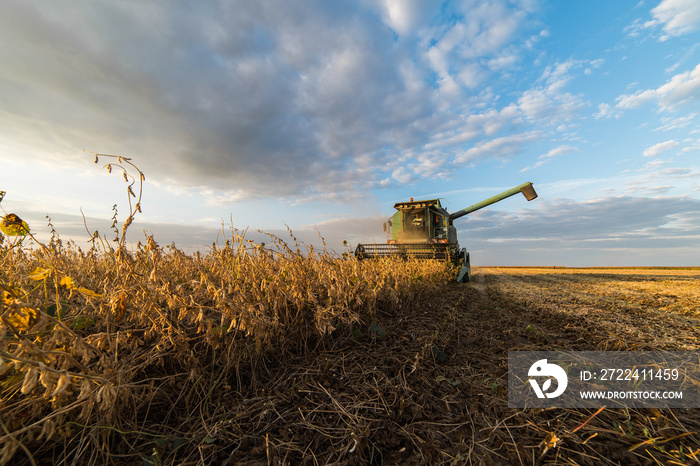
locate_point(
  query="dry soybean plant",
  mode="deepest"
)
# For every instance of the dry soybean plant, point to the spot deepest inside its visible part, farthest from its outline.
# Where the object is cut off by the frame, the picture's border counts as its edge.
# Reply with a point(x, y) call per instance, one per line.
point(105, 353)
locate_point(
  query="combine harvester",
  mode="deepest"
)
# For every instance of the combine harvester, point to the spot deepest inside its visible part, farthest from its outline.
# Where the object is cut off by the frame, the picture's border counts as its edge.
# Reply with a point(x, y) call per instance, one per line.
point(424, 230)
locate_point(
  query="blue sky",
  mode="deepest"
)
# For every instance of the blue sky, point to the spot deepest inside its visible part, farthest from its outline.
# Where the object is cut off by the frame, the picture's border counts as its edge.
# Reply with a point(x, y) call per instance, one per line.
point(321, 115)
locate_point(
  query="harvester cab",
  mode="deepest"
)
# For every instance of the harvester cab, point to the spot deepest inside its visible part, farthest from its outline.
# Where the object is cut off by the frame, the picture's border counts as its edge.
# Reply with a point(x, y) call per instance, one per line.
point(425, 230)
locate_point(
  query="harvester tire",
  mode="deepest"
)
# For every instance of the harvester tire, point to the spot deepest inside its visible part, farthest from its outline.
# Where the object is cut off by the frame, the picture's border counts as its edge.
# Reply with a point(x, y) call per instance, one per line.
point(465, 272)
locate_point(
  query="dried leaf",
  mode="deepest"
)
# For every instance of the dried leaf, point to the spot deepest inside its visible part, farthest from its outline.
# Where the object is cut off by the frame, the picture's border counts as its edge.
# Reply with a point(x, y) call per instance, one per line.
point(21, 318)
point(39, 273)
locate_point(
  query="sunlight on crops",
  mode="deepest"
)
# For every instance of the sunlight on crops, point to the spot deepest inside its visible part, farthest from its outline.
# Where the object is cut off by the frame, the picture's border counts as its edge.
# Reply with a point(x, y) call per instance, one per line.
point(84, 333)
point(97, 337)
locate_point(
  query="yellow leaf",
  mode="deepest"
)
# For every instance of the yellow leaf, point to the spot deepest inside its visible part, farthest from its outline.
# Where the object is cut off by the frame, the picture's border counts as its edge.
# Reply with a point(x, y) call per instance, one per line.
point(39, 273)
point(90, 293)
point(68, 282)
point(12, 225)
point(551, 441)
point(21, 319)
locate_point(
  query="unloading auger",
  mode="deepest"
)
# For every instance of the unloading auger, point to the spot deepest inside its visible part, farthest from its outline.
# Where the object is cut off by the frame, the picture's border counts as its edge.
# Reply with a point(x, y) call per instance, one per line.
point(425, 230)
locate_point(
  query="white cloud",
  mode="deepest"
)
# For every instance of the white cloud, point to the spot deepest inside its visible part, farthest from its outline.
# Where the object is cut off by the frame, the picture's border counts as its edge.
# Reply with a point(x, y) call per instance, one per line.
point(402, 15)
point(486, 29)
point(502, 147)
point(656, 149)
point(593, 64)
point(669, 124)
point(676, 17)
point(502, 62)
point(223, 197)
point(402, 176)
point(550, 104)
point(471, 75)
point(557, 151)
point(635, 100)
point(472, 128)
point(604, 111)
point(692, 145)
point(546, 158)
point(544, 105)
point(680, 90)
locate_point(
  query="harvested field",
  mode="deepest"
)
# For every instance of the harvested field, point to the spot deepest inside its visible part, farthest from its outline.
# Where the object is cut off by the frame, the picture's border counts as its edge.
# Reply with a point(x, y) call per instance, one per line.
point(411, 407)
point(414, 373)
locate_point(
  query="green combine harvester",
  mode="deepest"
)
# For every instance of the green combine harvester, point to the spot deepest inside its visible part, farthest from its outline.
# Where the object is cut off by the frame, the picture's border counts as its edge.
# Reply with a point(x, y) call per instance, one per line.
point(424, 230)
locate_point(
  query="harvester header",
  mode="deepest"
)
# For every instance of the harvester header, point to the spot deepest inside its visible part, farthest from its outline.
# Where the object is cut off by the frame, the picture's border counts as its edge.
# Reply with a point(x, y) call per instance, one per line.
point(424, 229)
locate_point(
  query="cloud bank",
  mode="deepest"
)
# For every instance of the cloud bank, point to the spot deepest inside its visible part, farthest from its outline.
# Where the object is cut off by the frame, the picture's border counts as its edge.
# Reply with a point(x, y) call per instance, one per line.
point(305, 98)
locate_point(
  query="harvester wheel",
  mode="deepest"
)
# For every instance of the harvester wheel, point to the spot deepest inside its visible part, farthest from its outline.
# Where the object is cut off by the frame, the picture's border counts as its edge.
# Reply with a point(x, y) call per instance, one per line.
point(465, 272)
